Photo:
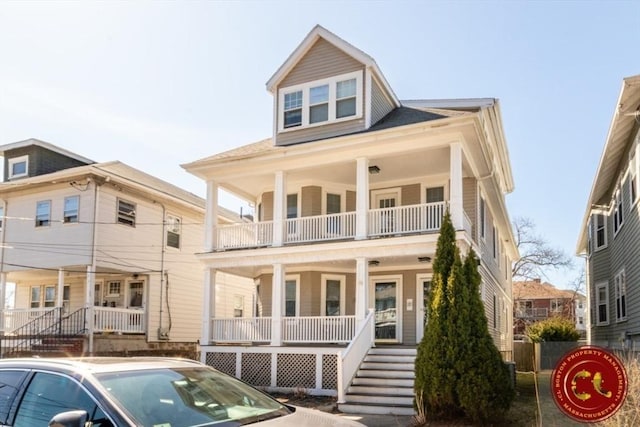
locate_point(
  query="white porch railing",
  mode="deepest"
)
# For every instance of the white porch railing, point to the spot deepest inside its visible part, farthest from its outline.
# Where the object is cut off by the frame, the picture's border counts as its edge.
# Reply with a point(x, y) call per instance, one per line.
point(352, 356)
point(406, 219)
point(125, 320)
point(388, 221)
point(321, 227)
point(329, 329)
point(15, 318)
point(256, 329)
point(247, 235)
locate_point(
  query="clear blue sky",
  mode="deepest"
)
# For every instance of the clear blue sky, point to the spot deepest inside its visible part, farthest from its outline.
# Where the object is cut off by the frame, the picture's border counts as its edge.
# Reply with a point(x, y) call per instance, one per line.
point(157, 84)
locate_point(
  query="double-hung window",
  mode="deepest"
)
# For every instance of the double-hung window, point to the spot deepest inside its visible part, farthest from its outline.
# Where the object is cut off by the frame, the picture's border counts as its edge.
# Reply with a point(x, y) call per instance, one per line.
point(602, 304)
point(71, 209)
point(126, 213)
point(435, 194)
point(600, 229)
point(621, 296)
point(43, 213)
point(18, 167)
point(292, 297)
point(173, 231)
point(618, 217)
point(321, 101)
point(483, 217)
point(332, 295)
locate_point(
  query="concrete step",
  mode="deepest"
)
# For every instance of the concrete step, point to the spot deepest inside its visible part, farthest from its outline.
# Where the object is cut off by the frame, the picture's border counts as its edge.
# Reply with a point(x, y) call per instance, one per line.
point(379, 400)
point(380, 391)
point(401, 351)
point(382, 382)
point(351, 408)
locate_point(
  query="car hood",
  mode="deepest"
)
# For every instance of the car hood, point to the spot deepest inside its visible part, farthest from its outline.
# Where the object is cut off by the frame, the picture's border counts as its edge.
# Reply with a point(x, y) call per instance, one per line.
point(303, 417)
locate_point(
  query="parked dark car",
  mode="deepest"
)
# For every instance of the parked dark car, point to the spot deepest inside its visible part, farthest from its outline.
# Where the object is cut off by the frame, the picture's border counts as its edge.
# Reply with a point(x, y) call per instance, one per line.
point(149, 392)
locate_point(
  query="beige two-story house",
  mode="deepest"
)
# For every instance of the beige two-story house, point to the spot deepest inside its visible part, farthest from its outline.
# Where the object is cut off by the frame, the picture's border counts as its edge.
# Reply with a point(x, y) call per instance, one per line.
point(349, 194)
point(101, 255)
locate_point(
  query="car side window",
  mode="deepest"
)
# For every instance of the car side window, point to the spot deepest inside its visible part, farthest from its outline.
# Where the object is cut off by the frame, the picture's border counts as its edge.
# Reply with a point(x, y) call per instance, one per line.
point(50, 394)
point(9, 383)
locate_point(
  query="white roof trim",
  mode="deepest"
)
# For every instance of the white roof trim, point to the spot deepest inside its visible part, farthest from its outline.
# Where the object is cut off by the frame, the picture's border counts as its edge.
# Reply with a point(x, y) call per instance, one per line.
point(43, 144)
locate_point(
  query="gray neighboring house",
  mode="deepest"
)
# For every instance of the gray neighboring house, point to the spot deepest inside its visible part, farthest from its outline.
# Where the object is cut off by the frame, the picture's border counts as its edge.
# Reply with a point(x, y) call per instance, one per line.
point(610, 233)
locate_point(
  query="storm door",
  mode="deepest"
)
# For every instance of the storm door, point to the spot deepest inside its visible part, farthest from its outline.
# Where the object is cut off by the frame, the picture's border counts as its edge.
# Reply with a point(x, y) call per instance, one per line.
point(388, 310)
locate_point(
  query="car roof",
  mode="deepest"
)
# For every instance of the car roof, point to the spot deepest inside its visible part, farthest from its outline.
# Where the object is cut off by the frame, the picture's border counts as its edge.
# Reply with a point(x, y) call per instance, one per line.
point(98, 364)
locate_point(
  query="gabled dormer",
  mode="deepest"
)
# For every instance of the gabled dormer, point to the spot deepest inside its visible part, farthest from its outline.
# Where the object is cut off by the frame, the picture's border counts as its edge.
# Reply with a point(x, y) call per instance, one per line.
point(33, 157)
point(327, 88)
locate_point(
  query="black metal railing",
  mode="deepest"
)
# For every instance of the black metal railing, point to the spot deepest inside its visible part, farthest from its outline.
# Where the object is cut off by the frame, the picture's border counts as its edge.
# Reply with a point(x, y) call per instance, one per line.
point(48, 332)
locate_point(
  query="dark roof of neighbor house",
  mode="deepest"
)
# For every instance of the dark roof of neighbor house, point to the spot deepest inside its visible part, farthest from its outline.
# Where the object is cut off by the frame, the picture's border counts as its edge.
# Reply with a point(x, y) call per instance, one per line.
point(39, 143)
point(535, 289)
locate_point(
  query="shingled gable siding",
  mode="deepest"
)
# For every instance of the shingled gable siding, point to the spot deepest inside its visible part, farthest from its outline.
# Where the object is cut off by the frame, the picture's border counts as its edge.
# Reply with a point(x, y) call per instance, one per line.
point(41, 160)
point(323, 60)
point(311, 201)
point(469, 202)
point(380, 105)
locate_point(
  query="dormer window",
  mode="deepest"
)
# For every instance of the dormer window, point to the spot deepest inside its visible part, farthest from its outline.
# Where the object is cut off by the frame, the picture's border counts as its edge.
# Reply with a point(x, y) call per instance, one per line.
point(320, 102)
point(18, 167)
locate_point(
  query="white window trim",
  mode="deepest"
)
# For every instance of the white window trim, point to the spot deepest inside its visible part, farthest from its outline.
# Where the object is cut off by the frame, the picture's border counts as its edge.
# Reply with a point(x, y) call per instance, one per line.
point(288, 278)
point(170, 229)
point(618, 203)
point(599, 286)
point(48, 224)
point(623, 286)
point(594, 229)
point(134, 214)
point(108, 290)
point(15, 160)
point(425, 186)
point(323, 292)
point(343, 200)
point(305, 88)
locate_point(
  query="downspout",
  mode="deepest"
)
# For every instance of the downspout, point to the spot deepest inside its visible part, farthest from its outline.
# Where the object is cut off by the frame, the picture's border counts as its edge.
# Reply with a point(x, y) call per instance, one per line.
point(163, 335)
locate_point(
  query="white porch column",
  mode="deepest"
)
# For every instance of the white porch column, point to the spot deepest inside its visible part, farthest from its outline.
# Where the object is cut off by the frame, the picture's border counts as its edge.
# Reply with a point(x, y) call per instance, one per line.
point(208, 304)
point(279, 208)
point(362, 197)
point(60, 287)
point(3, 299)
point(277, 296)
point(455, 202)
point(89, 291)
point(211, 217)
point(362, 289)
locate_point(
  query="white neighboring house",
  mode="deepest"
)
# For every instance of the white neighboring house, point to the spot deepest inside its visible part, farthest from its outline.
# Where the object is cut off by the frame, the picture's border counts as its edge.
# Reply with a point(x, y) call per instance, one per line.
point(350, 192)
point(103, 252)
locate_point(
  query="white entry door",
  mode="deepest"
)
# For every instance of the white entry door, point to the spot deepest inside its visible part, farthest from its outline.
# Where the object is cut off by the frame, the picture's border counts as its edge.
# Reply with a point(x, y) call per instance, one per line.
point(423, 289)
point(386, 200)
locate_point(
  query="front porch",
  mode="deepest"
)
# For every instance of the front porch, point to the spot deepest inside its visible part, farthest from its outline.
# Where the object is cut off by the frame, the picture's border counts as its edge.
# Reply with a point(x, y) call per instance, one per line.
point(105, 320)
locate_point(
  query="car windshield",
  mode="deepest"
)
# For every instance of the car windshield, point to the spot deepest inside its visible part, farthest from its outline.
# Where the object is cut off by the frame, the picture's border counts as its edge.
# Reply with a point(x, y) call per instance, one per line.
point(189, 397)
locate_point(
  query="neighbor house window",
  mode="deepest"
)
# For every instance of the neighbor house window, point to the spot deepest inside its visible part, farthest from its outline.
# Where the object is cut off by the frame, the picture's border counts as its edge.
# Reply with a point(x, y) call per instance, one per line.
point(126, 213)
point(621, 296)
point(43, 213)
point(113, 289)
point(291, 298)
point(321, 101)
point(602, 304)
point(618, 217)
point(35, 297)
point(50, 296)
point(332, 295)
point(600, 230)
point(174, 224)
point(18, 167)
point(238, 306)
point(71, 209)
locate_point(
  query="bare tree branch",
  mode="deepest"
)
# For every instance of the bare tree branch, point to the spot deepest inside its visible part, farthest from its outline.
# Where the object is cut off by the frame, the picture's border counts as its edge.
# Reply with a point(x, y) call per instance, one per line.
point(536, 255)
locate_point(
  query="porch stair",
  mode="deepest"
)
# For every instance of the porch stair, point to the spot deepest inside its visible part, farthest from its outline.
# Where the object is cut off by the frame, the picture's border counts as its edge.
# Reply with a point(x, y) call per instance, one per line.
point(383, 384)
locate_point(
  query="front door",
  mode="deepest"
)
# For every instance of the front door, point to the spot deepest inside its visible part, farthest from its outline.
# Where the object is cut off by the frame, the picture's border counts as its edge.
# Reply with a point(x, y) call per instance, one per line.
point(388, 309)
point(386, 201)
point(423, 288)
point(136, 294)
